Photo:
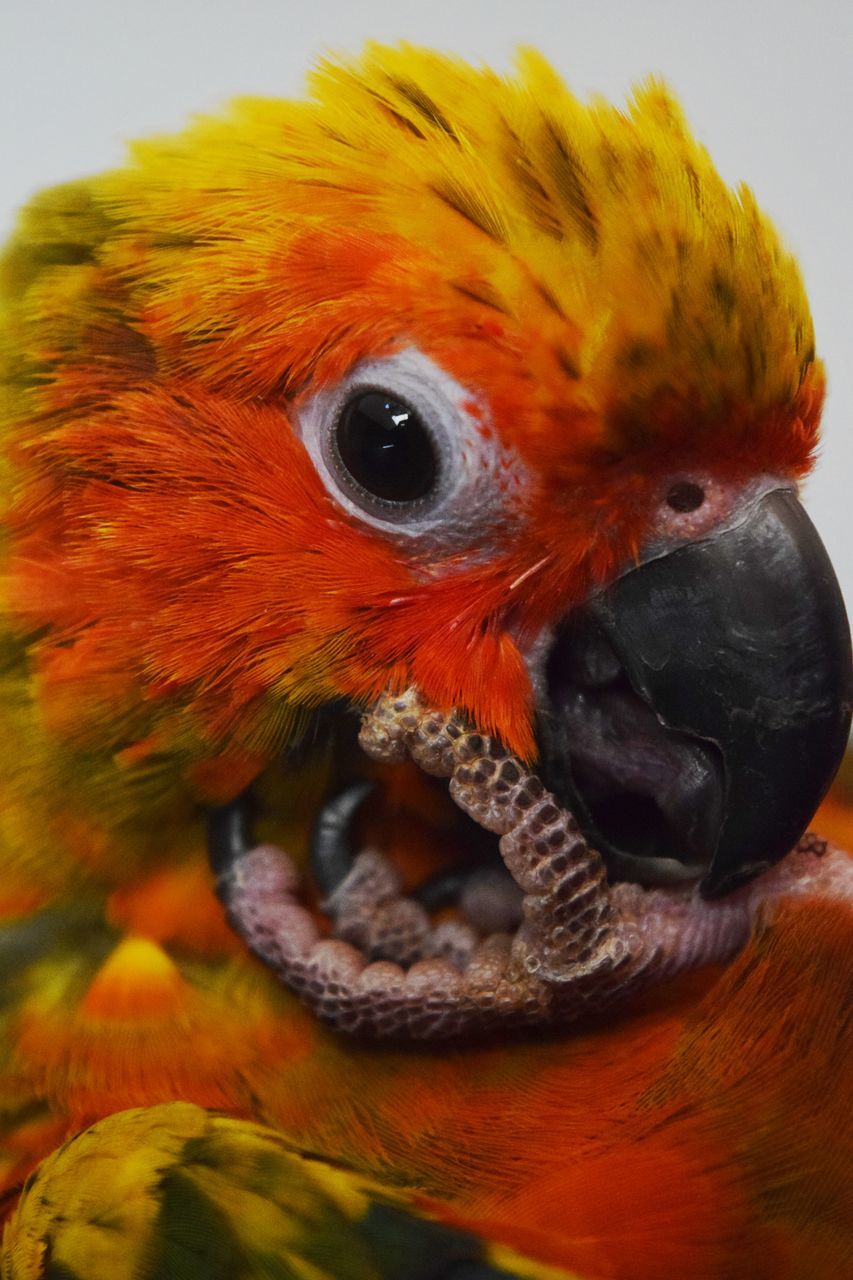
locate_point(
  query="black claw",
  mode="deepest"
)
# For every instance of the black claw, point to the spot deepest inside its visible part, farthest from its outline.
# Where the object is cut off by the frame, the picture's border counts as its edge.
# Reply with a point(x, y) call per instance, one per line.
point(229, 832)
point(444, 888)
point(331, 854)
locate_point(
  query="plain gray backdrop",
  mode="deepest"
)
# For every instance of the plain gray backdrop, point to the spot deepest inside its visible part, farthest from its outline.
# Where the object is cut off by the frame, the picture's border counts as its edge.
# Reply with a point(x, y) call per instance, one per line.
point(768, 87)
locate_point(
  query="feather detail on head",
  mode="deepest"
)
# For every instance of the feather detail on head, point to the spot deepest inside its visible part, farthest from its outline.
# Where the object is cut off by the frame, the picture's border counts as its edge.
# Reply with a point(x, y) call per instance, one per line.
point(582, 270)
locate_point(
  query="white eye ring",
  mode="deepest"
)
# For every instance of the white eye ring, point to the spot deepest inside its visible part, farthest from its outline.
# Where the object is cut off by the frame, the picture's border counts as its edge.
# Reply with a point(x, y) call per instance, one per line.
point(474, 477)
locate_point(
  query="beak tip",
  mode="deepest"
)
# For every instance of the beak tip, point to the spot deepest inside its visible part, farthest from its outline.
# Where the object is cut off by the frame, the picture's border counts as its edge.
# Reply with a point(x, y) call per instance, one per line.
point(718, 883)
point(739, 643)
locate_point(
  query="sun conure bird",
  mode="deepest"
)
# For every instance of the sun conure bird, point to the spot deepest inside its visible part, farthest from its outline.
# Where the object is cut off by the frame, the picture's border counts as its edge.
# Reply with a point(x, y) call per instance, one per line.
point(418, 677)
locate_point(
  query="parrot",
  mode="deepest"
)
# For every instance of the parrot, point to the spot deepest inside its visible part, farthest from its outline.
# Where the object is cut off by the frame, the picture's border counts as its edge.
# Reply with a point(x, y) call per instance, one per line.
point(420, 675)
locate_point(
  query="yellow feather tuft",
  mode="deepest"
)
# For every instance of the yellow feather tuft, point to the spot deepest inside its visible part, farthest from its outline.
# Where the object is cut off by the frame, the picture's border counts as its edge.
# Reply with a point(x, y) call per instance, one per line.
point(138, 980)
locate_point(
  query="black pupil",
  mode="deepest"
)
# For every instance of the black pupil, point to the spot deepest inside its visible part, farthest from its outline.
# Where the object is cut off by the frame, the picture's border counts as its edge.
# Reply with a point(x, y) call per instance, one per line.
point(386, 448)
point(685, 496)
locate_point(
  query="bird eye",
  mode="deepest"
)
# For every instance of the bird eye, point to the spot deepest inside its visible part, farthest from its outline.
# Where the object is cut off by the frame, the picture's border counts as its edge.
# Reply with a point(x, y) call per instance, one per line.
point(402, 446)
point(386, 448)
point(685, 496)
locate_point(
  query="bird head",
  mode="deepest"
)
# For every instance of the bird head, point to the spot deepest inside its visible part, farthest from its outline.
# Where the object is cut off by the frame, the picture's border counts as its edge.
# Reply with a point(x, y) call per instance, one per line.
point(443, 380)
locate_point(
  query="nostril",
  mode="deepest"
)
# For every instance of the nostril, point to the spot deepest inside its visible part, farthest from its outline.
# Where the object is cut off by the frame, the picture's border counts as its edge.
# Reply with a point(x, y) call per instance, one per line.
point(685, 496)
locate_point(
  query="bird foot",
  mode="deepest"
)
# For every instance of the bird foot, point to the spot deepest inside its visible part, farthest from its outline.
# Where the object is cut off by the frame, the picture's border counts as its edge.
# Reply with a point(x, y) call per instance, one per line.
point(582, 942)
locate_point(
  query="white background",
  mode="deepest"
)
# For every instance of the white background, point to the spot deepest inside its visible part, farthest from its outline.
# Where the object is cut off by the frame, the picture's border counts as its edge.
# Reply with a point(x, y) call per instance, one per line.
point(768, 87)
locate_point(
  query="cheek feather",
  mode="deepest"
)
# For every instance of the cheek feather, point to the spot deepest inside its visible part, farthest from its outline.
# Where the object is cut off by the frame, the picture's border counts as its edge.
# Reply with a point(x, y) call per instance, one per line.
point(206, 569)
point(228, 573)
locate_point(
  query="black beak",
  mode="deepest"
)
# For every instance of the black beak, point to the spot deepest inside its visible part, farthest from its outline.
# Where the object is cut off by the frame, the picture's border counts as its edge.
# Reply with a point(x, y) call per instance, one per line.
point(713, 686)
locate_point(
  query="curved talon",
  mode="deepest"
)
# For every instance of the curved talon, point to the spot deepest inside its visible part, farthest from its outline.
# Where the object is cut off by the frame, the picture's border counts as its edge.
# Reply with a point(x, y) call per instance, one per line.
point(229, 832)
point(330, 854)
point(582, 945)
point(443, 889)
point(487, 896)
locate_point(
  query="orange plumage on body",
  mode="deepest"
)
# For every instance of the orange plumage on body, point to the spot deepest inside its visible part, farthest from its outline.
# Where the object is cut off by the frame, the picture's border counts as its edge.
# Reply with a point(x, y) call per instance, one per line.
point(704, 1134)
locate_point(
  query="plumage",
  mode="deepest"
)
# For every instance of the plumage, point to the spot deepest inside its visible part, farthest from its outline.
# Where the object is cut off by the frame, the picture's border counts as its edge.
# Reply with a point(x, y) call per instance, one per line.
point(186, 602)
